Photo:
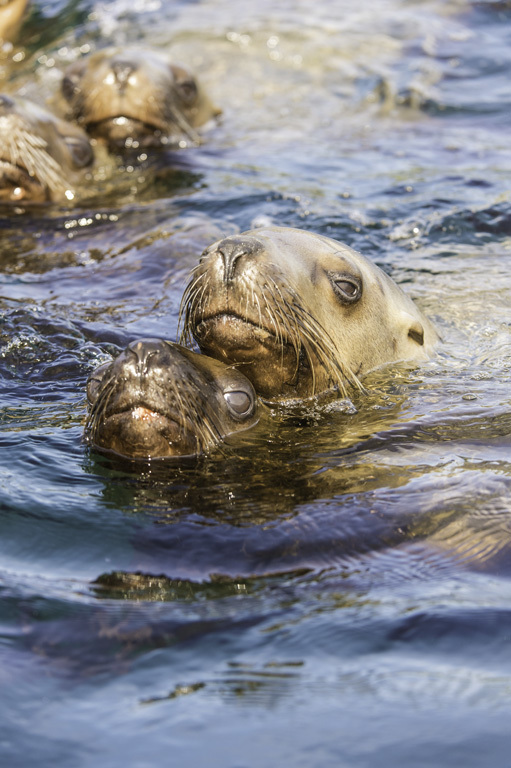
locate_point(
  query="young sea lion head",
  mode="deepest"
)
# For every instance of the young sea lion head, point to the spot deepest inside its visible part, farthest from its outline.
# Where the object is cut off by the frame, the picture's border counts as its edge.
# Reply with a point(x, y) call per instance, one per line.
point(158, 399)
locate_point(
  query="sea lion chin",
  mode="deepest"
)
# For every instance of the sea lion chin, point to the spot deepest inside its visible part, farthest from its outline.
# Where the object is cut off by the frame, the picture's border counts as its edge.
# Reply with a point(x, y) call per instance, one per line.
point(158, 399)
point(300, 313)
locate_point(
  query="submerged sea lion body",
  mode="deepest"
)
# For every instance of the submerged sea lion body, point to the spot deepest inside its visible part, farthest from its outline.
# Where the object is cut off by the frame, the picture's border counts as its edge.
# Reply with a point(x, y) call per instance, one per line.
point(300, 313)
point(135, 98)
point(40, 155)
point(158, 399)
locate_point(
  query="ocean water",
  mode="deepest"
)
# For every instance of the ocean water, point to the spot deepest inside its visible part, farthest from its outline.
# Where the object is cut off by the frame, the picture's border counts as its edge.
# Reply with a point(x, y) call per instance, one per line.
point(332, 588)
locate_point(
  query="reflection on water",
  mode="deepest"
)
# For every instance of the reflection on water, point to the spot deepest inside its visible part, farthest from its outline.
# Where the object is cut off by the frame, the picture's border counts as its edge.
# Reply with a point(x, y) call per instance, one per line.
point(332, 587)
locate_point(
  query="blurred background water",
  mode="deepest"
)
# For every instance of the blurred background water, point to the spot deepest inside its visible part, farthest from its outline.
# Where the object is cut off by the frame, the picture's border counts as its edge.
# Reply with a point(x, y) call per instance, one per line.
point(332, 588)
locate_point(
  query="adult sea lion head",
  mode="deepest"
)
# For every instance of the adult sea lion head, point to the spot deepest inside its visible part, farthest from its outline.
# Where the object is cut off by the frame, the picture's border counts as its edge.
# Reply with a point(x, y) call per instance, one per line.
point(133, 97)
point(299, 313)
point(158, 399)
point(40, 155)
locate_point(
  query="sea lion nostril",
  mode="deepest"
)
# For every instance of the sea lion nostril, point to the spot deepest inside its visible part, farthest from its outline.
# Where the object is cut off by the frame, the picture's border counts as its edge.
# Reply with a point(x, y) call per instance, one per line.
point(231, 255)
point(122, 69)
point(145, 350)
point(232, 249)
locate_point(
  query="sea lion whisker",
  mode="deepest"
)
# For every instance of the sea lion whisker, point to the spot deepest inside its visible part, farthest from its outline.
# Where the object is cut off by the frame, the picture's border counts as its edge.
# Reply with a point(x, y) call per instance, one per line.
point(321, 345)
point(288, 321)
point(99, 407)
point(183, 124)
point(272, 316)
point(189, 304)
point(191, 406)
point(199, 304)
point(258, 304)
point(31, 151)
point(283, 325)
point(326, 350)
point(204, 429)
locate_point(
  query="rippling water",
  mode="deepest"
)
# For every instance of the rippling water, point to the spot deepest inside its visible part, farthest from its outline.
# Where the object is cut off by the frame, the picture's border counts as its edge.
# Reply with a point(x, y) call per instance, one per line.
point(330, 589)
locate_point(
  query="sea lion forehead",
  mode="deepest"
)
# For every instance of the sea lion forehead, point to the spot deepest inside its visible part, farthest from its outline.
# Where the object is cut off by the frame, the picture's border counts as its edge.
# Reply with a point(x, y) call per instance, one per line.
point(299, 240)
point(314, 252)
point(131, 57)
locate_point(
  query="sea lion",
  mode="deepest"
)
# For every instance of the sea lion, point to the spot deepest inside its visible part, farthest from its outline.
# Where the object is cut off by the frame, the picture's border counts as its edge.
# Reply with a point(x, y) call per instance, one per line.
point(11, 17)
point(40, 155)
point(158, 399)
point(299, 313)
point(134, 98)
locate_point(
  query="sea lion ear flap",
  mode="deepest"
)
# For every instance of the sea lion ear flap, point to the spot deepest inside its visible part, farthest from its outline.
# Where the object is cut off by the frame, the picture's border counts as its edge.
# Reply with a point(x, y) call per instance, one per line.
point(416, 332)
point(412, 327)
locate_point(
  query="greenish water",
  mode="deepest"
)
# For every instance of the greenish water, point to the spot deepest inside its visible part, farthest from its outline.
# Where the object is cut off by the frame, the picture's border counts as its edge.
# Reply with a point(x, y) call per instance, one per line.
point(330, 589)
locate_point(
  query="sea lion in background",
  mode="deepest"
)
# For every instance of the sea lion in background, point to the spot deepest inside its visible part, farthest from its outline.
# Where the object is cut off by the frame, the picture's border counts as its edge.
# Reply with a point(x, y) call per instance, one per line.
point(135, 98)
point(299, 313)
point(158, 399)
point(40, 155)
point(11, 17)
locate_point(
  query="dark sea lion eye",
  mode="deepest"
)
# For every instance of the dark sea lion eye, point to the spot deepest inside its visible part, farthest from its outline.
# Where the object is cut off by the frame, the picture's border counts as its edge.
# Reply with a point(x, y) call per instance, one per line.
point(71, 80)
point(239, 402)
point(185, 85)
point(68, 88)
point(347, 289)
point(81, 151)
point(188, 91)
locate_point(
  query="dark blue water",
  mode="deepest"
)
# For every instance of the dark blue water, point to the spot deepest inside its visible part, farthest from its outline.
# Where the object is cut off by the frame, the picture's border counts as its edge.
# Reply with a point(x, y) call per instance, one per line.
point(333, 588)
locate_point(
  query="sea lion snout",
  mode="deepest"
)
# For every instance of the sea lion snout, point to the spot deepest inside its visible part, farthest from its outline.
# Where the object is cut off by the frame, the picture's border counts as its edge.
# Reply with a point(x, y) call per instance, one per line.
point(232, 249)
point(144, 352)
point(122, 69)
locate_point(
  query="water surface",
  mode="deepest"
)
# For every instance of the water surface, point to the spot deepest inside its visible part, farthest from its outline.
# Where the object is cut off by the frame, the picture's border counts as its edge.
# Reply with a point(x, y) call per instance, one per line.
point(330, 589)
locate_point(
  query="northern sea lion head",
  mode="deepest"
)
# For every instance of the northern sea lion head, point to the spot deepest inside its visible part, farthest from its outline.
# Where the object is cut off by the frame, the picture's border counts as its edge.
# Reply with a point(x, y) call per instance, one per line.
point(299, 313)
point(134, 97)
point(158, 399)
point(40, 155)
